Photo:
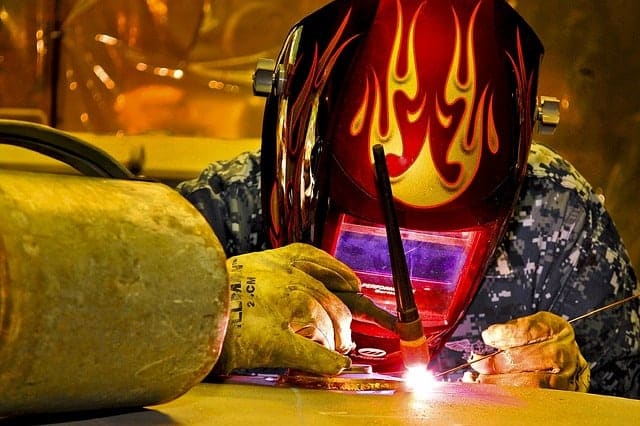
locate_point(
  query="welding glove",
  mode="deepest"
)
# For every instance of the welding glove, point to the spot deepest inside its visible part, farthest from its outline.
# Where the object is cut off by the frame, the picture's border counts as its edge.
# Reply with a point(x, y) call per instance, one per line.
point(283, 312)
point(538, 350)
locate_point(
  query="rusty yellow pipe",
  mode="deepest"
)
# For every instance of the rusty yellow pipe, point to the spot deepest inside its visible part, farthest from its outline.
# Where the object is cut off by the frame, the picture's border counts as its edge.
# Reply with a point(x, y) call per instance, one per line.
point(113, 293)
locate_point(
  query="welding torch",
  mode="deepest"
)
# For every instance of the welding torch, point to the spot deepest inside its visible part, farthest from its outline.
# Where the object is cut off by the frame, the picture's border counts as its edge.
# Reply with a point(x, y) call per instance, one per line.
point(413, 344)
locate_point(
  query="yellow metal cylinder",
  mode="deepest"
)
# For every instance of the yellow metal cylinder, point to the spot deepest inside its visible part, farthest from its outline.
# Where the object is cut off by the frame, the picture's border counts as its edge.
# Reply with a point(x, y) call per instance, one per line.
point(113, 293)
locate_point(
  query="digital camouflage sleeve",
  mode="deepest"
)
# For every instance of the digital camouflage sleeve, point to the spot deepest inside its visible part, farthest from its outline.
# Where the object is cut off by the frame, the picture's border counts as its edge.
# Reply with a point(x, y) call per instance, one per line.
point(227, 193)
point(561, 253)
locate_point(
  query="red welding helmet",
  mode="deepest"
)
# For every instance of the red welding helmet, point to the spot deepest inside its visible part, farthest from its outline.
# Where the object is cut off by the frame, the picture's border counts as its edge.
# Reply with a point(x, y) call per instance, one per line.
point(448, 88)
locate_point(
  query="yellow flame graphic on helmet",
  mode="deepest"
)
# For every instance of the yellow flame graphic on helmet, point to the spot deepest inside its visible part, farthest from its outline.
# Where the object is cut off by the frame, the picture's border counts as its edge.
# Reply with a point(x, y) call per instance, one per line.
point(422, 184)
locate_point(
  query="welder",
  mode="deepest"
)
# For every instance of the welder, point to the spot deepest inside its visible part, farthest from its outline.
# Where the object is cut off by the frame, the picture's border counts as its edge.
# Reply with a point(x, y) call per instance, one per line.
point(504, 239)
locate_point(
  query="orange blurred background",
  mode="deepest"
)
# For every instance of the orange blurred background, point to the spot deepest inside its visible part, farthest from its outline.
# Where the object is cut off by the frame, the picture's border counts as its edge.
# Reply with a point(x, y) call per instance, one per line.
point(167, 83)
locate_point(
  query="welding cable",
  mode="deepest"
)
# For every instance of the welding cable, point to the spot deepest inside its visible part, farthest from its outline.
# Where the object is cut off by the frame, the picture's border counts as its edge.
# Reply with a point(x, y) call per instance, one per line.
point(82, 156)
point(362, 308)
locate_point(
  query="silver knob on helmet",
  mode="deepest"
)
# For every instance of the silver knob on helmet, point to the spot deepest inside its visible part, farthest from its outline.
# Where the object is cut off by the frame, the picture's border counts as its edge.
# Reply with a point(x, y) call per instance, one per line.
point(263, 77)
point(548, 115)
point(268, 77)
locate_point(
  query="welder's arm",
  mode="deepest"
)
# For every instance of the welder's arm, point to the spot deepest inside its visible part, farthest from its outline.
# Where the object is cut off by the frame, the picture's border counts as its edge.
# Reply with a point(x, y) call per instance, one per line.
point(539, 350)
point(284, 314)
point(227, 194)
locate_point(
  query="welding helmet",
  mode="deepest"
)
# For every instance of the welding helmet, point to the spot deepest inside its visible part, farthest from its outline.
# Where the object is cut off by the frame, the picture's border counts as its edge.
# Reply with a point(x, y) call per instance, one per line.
point(448, 88)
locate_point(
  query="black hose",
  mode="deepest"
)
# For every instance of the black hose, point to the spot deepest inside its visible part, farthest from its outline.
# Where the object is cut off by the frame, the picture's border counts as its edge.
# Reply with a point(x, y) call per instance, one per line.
point(82, 156)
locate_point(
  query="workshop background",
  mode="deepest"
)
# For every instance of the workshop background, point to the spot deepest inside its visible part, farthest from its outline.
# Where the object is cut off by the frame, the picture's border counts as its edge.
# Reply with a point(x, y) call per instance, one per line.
point(165, 85)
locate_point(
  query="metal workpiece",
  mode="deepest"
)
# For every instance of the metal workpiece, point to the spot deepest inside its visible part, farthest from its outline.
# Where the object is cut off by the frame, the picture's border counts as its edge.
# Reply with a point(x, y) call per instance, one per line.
point(357, 378)
point(252, 400)
point(445, 404)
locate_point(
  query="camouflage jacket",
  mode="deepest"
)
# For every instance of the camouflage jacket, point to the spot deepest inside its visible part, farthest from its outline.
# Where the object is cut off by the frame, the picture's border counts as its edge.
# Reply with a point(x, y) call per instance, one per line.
point(561, 253)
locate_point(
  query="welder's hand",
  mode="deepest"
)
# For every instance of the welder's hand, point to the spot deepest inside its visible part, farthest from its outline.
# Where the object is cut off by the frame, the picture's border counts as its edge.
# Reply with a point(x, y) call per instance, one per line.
point(539, 350)
point(284, 314)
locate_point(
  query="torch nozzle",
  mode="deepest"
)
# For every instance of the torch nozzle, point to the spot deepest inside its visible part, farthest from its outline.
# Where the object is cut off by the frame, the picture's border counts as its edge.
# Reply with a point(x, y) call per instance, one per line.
point(413, 344)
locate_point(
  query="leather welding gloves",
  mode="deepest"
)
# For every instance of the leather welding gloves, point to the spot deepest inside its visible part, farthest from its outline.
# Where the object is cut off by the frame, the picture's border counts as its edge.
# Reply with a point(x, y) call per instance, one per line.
point(284, 314)
point(538, 350)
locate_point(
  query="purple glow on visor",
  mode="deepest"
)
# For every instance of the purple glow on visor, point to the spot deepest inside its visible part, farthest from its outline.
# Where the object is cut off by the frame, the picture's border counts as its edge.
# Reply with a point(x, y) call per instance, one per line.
point(430, 257)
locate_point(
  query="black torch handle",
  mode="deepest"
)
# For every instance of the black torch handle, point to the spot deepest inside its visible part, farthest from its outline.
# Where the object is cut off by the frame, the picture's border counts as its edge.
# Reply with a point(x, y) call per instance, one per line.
point(406, 305)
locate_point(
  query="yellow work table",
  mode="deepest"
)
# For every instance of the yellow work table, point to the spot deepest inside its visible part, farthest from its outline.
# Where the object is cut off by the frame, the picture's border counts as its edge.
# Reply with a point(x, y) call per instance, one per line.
point(261, 401)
